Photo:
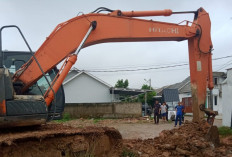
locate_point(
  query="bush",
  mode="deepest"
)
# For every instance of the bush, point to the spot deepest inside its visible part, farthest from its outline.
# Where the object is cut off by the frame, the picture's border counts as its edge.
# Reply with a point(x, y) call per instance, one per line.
point(96, 120)
point(224, 131)
point(128, 153)
point(66, 117)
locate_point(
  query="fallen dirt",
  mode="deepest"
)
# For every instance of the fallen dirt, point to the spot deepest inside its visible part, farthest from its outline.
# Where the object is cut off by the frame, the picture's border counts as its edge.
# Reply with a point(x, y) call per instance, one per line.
point(189, 140)
point(91, 138)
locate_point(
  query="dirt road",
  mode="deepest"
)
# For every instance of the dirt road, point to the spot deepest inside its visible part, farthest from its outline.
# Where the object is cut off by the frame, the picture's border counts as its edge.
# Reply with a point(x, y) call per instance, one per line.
point(131, 128)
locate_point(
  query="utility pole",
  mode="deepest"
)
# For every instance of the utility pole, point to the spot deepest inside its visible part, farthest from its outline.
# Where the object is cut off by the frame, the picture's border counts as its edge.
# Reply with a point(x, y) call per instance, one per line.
point(146, 96)
point(149, 82)
point(145, 104)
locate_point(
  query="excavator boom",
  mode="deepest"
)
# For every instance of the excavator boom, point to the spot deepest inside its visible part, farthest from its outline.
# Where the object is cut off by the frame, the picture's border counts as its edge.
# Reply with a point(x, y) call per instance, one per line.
point(67, 37)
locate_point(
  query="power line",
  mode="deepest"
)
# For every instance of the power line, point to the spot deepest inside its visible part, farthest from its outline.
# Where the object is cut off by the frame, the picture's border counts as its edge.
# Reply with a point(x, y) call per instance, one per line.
point(185, 69)
point(135, 66)
point(170, 66)
point(222, 57)
point(151, 68)
point(225, 65)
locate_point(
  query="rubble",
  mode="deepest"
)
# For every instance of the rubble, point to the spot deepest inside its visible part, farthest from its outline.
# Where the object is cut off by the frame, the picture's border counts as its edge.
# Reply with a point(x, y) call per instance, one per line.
point(191, 139)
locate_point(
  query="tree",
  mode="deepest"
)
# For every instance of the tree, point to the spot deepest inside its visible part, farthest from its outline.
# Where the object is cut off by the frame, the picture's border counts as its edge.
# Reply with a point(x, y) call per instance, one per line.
point(149, 95)
point(145, 86)
point(122, 84)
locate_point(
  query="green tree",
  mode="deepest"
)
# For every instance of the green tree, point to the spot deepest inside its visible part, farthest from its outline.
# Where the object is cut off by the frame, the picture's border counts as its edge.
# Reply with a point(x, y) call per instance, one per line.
point(122, 84)
point(149, 95)
point(145, 86)
point(126, 83)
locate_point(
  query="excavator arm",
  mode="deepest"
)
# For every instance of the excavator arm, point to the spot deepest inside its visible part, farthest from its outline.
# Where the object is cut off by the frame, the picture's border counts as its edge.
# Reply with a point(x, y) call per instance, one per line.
point(119, 26)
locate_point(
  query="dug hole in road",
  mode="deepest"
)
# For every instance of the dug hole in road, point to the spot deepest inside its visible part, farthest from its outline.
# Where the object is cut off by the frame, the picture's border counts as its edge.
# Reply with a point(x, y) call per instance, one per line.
point(114, 138)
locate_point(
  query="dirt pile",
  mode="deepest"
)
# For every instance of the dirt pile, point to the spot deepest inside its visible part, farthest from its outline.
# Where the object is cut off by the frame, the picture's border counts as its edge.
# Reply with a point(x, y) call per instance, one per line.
point(63, 140)
point(192, 139)
point(57, 140)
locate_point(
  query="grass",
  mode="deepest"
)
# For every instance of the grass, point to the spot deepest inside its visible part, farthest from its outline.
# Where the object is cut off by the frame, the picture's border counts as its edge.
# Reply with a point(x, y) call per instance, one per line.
point(66, 117)
point(170, 121)
point(128, 153)
point(225, 131)
point(96, 120)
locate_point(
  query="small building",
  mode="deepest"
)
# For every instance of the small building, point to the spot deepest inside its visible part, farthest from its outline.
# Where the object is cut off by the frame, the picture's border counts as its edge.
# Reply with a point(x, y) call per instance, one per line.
point(83, 87)
point(88, 96)
point(227, 99)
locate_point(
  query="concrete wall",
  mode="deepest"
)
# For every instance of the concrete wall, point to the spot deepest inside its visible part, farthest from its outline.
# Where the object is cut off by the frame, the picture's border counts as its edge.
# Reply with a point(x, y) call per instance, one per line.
point(105, 110)
point(85, 89)
point(227, 100)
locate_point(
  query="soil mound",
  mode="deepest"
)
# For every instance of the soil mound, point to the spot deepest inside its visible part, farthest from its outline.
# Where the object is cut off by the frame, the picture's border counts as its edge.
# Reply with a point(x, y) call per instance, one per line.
point(191, 139)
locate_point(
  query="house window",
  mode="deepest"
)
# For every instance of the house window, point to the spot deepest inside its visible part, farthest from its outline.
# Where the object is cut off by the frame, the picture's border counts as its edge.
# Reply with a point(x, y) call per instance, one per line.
point(215, 100)
point(215, 80)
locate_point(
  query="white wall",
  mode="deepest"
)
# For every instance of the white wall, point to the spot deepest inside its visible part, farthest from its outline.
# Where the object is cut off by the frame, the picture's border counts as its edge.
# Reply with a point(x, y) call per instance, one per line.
point(217, 107)
point(227, 100)
point(85, 89)
point(184, 95)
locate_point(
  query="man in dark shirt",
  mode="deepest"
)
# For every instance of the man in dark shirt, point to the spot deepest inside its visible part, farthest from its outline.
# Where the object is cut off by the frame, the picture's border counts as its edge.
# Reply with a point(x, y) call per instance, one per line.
point(183, 113)
point(156, 112)
point(166, 111)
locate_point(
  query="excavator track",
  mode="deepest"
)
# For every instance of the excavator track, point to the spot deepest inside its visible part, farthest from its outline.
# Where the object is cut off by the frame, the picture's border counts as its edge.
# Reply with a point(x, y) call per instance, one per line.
point(57, 140)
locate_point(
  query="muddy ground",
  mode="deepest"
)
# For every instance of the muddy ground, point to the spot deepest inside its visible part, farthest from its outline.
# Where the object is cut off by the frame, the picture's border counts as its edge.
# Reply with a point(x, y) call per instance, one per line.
point(99, 138)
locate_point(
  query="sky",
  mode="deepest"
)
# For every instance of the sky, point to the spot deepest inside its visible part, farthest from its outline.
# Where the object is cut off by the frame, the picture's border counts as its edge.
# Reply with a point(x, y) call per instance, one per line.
point(38, 18)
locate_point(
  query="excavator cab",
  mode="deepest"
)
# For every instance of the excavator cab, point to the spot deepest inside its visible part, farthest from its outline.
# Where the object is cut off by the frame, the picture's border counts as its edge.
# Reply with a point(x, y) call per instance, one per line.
point(14, 60)
point(29, 107)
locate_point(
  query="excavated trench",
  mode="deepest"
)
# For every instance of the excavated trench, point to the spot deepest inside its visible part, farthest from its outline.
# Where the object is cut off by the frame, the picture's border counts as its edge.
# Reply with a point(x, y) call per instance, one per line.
point(59, 141)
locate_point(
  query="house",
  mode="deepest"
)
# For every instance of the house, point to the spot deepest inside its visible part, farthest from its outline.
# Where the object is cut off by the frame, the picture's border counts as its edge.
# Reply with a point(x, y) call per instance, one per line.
point(83, 87)
point(227, 99)
point(185, 95)
point(218, 79)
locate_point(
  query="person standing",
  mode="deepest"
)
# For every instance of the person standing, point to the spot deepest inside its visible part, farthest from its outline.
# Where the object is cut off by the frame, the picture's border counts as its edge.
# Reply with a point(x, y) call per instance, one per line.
point(179, 109)
point(183, 113)
point(156, 112)
point(167, 110)
point(163, 109)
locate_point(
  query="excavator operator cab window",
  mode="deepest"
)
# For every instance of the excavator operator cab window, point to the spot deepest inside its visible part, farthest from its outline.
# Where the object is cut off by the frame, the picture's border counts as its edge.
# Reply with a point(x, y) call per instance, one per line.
point(14, 60)
point(41, 86)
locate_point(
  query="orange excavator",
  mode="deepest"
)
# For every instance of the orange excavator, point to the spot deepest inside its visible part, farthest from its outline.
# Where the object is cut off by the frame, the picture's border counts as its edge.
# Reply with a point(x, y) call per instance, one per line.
point(31, 85)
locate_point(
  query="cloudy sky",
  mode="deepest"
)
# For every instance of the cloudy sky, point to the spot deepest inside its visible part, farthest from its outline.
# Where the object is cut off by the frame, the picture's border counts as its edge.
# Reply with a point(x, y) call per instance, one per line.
point(37, 19)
